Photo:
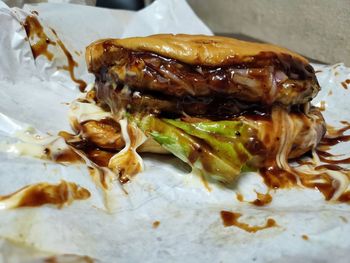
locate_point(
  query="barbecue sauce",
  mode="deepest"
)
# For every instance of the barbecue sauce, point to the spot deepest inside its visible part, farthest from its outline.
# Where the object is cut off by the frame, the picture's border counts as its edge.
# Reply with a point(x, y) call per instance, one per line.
point(155, 224)
point(305, 237)
point(45, 193)
point(231, 219)
point(71, 64)
point(34, 30)
point(262, 199)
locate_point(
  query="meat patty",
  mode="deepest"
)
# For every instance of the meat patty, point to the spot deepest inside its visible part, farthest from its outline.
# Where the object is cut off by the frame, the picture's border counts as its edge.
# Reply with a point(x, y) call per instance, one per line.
point(208, 107)
point(266, 80)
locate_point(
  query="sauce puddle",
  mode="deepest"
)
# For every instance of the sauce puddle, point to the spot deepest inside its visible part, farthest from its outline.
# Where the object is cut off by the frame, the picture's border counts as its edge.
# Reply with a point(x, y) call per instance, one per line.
point(40, 194)
point(231, 219)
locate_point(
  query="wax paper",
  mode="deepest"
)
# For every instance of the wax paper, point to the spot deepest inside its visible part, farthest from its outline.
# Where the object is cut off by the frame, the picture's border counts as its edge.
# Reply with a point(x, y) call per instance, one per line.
point(165, 214)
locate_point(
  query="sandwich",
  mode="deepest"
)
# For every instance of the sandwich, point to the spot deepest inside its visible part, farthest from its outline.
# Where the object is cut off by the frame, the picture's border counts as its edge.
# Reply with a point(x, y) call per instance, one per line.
point(219, 104)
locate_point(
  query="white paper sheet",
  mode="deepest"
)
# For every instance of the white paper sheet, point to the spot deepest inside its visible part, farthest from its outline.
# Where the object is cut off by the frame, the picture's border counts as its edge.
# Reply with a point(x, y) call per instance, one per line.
point(33, 93)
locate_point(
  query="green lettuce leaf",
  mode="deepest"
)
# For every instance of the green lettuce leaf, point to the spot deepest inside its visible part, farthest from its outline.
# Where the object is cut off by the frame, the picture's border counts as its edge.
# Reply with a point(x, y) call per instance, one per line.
point(216, 148)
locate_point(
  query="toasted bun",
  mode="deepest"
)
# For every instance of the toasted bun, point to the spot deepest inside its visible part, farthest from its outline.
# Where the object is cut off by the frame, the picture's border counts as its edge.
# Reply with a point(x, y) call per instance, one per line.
point(191, 49)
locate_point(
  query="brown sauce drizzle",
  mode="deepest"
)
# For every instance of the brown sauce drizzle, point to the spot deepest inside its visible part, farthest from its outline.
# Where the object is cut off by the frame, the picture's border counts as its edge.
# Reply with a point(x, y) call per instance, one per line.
point(262, 199)
point(129, 164)
point(335, 136)
point(100, 175)
point(33, 29)
point(71, 64)
point(231, 219)
point(239, 197)
point(329, 167)
point(67, 156)
point(334, 140)
point(93, 153)
point(345, 197)
point(155, 224)
point(45, 193)
point(305, 237)
point(98, 156)
point(345, 83)
point(276, 178)
point(69, 258)
point(340, 161)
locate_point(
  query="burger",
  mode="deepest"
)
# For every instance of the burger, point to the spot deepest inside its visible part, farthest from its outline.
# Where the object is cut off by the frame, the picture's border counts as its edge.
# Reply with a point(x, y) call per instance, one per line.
point(221, 105)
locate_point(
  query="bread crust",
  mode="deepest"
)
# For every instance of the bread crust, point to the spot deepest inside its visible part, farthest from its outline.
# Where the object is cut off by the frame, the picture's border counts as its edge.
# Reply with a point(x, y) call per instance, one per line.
point(190, 49)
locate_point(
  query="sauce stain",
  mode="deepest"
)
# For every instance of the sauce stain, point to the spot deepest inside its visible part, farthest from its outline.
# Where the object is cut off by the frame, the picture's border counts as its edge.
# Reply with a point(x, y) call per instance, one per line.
point(34, 29)
point(66, 156)
point(44, 193)
point(332, 167)
point(231, 219)
point(71, 64)
point(262, 199)
point(345, 197)
point(99, 175)
point(69, 258)
point(276, 178)
point(335, 136)
point(97, 156)
point(332, 161)
point(239, 197)
point(345, 83)
point(305, 237)
point(155, 224)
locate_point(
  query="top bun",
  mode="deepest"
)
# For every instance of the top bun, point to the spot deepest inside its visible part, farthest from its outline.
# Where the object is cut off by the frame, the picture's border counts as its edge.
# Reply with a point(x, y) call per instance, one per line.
point(191, 49)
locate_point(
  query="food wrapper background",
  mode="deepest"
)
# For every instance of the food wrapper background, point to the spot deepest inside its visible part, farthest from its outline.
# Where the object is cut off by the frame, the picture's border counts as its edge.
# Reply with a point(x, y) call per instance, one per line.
point(35, 93)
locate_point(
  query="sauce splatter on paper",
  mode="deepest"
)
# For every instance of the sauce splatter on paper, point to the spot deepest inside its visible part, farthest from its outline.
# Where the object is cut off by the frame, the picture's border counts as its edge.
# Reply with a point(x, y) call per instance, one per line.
point(231, 219)
point(40, 194)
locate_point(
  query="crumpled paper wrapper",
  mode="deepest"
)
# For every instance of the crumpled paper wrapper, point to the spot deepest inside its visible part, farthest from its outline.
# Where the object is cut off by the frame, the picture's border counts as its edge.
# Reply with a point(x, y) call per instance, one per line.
point(34, 93)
